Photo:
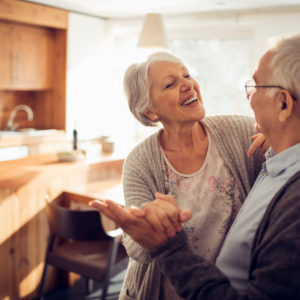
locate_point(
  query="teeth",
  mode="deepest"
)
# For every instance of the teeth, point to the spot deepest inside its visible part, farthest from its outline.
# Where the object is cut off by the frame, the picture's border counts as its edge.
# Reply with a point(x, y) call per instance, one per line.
point(189, 101)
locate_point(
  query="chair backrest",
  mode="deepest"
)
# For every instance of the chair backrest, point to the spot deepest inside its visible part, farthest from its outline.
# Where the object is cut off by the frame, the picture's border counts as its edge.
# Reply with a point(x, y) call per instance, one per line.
point(75, 224)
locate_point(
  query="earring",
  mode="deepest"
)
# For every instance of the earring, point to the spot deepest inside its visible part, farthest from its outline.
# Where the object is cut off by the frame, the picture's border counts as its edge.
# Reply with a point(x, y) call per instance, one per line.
point(155, 118)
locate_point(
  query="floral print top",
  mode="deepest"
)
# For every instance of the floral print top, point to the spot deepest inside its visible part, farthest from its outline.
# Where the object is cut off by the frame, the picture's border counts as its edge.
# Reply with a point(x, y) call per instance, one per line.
point(211, 194)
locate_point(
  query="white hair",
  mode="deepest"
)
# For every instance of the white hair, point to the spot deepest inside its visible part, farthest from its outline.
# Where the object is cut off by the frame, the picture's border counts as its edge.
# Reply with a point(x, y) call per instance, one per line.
point(286, 63)
point(137, 85)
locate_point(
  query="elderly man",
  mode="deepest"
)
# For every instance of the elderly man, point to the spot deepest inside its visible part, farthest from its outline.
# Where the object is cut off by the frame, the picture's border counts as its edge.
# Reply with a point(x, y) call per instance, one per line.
point(260, 256)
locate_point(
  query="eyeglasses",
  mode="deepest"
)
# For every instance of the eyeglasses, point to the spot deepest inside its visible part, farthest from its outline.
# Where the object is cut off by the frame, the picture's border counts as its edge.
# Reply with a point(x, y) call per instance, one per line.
point(250, 86)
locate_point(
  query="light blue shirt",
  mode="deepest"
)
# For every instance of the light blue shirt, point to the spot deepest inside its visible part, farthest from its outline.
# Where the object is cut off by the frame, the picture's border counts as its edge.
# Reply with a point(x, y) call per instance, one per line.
point(234, 257)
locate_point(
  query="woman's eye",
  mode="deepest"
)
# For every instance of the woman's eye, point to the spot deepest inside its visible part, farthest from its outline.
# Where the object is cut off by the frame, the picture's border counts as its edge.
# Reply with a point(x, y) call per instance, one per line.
point(169, 85)
point(187, 76)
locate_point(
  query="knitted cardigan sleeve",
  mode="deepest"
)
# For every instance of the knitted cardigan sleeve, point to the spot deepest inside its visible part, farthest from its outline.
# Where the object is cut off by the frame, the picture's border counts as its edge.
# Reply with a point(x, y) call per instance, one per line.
point(142, 178)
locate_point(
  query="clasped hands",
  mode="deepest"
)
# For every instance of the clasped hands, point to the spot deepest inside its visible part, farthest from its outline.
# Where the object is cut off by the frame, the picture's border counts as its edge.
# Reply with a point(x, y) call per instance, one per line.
point(152, 224)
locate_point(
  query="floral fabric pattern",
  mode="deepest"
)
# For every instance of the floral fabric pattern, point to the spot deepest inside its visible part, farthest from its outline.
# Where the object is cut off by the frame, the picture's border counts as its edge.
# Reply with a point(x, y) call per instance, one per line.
point(211, 193)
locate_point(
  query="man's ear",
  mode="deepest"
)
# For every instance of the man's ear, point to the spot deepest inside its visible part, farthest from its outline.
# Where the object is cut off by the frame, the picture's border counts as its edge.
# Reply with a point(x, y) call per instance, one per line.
point(285, 105)
point(151, 115)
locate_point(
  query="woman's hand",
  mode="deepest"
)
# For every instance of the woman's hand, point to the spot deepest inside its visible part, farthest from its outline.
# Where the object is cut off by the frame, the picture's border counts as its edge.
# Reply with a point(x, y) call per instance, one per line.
point(136, 227)
point(259, 141)
point(163, 214)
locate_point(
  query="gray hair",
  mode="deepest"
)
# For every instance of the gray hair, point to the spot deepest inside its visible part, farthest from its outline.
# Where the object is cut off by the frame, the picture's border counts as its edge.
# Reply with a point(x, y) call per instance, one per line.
point(286, 63)
point(137, 85)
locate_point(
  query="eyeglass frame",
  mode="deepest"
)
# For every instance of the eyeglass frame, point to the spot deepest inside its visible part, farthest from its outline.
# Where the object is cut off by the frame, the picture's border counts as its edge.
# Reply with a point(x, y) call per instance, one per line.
point(247, 86)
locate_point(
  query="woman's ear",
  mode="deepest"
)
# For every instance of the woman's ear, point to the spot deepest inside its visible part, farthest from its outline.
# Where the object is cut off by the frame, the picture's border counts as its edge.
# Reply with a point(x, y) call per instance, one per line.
point(151, 115)
point(286, 105)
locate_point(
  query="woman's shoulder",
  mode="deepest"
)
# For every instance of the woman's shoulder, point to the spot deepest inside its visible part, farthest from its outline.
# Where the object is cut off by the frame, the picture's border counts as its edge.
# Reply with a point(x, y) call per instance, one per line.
point(228, 119)
point(226, 122)
point(146, 148)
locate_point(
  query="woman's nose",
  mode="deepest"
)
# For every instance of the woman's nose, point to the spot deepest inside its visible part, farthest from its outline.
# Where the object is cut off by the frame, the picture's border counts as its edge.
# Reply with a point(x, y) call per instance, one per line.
point(186, 84)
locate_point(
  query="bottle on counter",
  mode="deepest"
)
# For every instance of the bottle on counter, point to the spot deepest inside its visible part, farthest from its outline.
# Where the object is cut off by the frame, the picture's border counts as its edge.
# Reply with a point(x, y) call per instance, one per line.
point(75, 142)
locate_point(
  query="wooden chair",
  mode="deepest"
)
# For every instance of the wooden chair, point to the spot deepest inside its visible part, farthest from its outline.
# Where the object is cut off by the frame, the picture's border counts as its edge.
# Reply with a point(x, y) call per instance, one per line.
point(87, 249)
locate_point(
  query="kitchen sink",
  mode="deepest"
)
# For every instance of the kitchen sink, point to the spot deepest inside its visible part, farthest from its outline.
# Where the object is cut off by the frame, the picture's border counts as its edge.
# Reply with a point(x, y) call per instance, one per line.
point(27, 132)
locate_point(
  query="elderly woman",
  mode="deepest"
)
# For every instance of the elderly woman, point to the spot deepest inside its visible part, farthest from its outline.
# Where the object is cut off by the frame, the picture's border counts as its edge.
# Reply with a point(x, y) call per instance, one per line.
point(201, 161)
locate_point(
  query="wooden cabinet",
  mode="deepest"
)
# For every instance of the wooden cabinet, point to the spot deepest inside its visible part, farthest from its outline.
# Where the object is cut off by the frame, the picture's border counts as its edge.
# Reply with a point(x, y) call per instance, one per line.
point(33, 58)
point(26, 58)
point(5, 57)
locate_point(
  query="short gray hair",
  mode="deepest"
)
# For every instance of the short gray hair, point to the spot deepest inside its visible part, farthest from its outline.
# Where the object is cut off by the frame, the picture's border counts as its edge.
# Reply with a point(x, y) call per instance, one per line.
point(286, 63)
point(137, 85)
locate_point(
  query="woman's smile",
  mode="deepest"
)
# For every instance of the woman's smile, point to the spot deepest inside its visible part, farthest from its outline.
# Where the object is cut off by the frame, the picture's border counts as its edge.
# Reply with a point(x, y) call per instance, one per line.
point(193, 101)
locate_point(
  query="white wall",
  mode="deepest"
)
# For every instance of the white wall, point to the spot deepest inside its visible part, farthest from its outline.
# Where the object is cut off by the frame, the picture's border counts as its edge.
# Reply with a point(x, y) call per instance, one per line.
point(88, 75)
point(93, 99)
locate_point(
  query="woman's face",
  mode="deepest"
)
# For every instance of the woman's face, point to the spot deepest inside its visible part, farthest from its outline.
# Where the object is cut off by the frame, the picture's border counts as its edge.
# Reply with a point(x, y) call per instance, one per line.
point(175, 94)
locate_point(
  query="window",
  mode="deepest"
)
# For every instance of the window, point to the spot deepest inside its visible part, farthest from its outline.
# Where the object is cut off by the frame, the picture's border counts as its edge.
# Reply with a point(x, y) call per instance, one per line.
point(221, 67)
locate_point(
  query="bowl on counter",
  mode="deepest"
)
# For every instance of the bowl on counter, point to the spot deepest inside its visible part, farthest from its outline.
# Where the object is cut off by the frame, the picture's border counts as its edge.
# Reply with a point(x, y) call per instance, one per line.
point(69, 156)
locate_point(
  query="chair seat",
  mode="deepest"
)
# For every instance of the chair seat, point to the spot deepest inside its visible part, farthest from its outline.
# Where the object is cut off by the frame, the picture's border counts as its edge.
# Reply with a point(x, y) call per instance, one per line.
point(88, 258)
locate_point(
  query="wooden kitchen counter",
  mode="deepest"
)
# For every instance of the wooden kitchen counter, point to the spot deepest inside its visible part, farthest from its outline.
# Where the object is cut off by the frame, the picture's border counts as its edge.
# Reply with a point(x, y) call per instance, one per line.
point(24, 185)
point(15, 173)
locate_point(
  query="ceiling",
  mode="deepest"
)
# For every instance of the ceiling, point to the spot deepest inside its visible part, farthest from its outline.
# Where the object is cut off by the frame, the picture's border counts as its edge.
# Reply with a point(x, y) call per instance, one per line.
point(138, 8)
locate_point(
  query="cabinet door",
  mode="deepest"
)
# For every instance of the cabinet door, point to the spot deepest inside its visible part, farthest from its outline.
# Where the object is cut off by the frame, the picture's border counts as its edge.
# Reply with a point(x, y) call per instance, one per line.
point(32, 57)
point(27, 56)
point(5, 54)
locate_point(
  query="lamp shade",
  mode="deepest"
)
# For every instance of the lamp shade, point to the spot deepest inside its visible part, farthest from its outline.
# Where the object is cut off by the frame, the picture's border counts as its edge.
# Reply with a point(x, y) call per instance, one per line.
point(153, 33)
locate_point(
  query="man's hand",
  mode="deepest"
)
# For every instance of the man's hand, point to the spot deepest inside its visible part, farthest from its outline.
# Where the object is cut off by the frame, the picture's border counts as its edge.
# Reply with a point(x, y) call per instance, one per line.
point(163, 214)
point(136, 227)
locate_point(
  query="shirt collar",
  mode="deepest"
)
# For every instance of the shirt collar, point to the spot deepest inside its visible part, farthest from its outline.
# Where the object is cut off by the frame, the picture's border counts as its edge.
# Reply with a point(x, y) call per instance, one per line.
point(277, 163)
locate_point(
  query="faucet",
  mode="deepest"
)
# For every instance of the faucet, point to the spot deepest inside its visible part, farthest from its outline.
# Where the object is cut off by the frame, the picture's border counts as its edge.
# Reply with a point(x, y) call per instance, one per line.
point(10, 124)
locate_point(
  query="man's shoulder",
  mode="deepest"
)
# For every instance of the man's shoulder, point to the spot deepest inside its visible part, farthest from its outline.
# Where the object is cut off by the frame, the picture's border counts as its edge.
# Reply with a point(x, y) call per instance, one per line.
point(292, 186)
point(281, 219)
point(287, 199)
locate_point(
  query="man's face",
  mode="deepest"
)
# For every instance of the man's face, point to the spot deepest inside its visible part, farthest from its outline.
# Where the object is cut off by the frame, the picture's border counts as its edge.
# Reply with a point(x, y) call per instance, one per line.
point(260, 101)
